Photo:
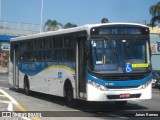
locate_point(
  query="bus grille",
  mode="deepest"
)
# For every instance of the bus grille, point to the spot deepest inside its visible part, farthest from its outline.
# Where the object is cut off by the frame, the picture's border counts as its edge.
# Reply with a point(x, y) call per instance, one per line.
point(122, 87)
point(121, 76)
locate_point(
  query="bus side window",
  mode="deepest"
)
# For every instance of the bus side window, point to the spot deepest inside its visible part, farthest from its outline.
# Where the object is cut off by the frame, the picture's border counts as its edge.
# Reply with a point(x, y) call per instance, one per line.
point(58, 43)
point(23, 49)
point(57, 53)
point(69, 54)
point(69, 48)
point(38, 44)
point(47, 46)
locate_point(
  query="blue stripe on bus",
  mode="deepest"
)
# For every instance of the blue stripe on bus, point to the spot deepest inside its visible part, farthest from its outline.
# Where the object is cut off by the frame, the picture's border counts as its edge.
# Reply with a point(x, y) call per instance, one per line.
point(118, 83)
point(33, 68)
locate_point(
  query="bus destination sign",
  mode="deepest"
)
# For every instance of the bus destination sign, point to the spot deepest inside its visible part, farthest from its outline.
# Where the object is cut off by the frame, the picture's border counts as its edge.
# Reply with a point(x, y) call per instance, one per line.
point(120, 31)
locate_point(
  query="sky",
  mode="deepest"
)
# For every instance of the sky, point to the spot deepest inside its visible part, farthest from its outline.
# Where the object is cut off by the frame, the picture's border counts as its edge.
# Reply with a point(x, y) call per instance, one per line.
point(78, 12)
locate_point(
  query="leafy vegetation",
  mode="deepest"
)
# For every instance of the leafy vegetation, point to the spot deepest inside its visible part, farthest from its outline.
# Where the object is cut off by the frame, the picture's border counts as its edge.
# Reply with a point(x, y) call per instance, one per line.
point(4, 61)
point(155, 12)
point(53, 25)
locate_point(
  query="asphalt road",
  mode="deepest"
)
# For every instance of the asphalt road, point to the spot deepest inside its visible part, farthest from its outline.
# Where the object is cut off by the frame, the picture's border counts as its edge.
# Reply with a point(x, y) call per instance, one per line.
point(51, 106)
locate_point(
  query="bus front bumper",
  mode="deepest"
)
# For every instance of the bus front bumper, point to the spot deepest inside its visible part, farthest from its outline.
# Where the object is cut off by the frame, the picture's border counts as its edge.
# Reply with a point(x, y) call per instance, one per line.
point(94, 94)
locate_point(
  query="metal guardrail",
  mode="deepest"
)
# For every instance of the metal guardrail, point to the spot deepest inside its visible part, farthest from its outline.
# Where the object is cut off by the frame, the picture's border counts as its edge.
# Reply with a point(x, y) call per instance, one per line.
point(19, 26)
point(18, 29)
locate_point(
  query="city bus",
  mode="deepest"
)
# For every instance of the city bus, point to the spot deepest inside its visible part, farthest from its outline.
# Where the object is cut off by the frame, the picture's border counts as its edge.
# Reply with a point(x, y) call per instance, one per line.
point(99, 62)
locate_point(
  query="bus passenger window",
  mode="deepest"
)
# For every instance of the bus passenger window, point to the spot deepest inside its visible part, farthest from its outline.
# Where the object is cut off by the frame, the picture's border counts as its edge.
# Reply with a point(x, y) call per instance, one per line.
point(47, 44)
point(38, 56)
point(57, 55)
point(69, 48)
point(58, 42)
point(69, 54)
point(23, 48)
point(30, 45)
point(38, 44)
point(47, 55)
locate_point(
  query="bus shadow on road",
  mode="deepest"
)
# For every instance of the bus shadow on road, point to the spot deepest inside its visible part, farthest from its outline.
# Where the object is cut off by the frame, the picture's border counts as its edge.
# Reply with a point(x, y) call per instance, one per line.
point(107, 106)
point(42, 96)
point(108, 109)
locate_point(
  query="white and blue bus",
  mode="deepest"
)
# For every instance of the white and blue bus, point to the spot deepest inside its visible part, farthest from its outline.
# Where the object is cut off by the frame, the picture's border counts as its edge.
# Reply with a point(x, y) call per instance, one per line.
point(100, 62)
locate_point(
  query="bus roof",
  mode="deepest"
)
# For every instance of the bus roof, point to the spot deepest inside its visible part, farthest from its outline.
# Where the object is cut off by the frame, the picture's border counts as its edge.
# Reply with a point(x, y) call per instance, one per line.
point(69, 30)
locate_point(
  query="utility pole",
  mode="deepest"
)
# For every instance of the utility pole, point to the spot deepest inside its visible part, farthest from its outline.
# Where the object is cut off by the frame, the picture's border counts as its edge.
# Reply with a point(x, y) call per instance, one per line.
point(41, 16)
point(0, 9)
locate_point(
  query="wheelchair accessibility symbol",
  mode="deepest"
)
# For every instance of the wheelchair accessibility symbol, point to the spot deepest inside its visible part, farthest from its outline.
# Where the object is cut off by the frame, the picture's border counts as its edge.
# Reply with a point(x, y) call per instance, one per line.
point(128, 67)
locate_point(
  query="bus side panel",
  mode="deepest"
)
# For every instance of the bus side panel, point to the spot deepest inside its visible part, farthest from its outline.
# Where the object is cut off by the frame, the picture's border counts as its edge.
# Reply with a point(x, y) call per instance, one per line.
point(51, 76)
point(57, 74)
point(38, 82)
point(68, 72)
point(35, 75)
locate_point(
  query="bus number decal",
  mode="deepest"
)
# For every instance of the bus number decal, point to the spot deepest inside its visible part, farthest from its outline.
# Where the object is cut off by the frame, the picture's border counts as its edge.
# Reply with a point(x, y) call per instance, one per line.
point(59, 75)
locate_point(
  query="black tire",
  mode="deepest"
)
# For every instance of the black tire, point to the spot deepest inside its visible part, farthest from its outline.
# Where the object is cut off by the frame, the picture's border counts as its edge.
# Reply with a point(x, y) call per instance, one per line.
point(69, 96)
point(26, 87)
point(121, 103)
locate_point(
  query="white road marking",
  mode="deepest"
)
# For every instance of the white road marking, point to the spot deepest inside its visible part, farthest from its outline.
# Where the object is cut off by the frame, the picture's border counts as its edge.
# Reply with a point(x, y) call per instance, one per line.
point(8, 96)
point(11, 103)
point(10, 107)
point(5, 102)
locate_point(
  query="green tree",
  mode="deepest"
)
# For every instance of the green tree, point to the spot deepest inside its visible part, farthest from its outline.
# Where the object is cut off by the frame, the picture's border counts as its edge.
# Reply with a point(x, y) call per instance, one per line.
point(155, 12)
point(69, 25)
point(52, 25)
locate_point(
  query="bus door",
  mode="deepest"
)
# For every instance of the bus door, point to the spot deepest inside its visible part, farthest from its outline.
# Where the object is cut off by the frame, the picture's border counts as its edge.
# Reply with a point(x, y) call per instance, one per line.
point(15, 65)
point(82, 64)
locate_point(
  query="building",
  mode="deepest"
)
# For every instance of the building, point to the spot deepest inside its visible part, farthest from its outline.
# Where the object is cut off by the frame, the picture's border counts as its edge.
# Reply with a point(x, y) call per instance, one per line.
point(155, 47)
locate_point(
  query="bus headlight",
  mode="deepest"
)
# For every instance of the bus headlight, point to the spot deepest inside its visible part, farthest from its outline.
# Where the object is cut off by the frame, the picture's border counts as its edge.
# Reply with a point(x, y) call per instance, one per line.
point(145, 85)
point(100, 87)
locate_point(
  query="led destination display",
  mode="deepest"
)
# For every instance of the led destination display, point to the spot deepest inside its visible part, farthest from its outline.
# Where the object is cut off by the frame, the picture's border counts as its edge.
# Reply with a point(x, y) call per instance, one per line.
point(119, 31)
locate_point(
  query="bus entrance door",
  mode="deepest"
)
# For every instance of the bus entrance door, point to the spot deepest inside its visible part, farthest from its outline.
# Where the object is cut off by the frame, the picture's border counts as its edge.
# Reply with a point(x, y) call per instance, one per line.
point(82, 67)
point(15, 66)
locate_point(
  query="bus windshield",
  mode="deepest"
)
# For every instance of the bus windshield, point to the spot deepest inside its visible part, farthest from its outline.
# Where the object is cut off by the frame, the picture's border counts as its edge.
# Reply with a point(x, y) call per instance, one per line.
point(109, 55)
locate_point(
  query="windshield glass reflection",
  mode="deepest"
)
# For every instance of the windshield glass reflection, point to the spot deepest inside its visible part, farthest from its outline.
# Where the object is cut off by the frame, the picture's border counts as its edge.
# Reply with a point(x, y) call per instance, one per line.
point(112, 55)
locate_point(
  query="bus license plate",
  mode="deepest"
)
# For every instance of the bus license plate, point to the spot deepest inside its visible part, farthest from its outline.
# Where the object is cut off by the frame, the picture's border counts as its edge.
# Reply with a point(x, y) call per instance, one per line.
point(127, 95)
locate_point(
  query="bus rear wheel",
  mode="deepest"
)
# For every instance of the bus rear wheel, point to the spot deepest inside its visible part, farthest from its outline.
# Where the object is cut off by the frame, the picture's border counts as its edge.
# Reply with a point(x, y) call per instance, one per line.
point(26, 87)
